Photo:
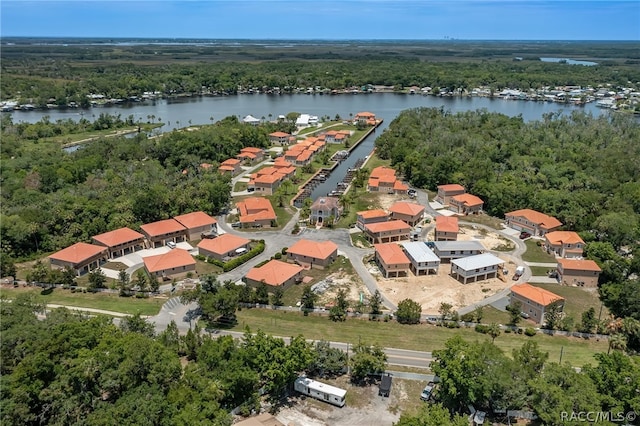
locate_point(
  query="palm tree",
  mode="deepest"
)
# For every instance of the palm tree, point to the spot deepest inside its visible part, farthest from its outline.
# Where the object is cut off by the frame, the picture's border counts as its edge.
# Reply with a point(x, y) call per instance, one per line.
point(617, 342)
point(493, 331)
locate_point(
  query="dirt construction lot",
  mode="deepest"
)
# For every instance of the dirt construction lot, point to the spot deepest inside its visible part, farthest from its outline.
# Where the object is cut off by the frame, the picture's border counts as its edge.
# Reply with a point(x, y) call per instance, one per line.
point(432, 290)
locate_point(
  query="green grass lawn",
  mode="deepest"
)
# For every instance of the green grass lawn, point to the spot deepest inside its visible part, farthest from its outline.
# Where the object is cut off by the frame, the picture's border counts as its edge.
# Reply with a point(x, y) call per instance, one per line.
point(535, 253)
point(106, 301)
point(493, 315)
point(539, 271)
point(577, 300)
point(416, 337)
point(483, 219)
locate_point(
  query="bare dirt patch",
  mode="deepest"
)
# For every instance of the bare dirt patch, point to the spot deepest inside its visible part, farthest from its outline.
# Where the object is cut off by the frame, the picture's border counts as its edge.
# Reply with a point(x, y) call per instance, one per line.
point(432, 290)
point(352, 283)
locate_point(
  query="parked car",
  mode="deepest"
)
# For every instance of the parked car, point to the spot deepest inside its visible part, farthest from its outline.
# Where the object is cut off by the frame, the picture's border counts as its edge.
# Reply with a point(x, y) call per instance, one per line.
point(427, 391)
point(524, 235)
point(171, 244)
point(235, 225)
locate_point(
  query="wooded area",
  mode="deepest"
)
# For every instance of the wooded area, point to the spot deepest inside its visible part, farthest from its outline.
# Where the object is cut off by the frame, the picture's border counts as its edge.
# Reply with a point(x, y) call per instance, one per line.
point(56, 74)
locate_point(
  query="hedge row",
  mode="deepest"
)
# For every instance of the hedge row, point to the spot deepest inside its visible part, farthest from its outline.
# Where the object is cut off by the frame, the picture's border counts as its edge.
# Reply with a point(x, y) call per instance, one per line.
point(237, 261)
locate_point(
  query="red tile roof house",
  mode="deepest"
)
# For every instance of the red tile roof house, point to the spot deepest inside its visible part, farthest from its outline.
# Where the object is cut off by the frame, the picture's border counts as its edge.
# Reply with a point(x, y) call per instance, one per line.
point(447, 228)
point(231, 166)
point(323, 209)
point(531, 221)
point(81, 257)
point(251, 155)
point(475, 268)
point(366, 118)
point(564, 244)
point(316, 254)
point(120, 241)
point(392, 260)
point(279, 138)
point(160, 232)
point(386, 232)
point(465, 204)
point(410, 213)
point(535, 300)
point(581, 273)
point(256, 211)
point(445, 192)
point(222, 247)
point(197, 223)
point(383, 179)
point(367, 217)
point(170, 264)
point(267, 184)
point(274, 273)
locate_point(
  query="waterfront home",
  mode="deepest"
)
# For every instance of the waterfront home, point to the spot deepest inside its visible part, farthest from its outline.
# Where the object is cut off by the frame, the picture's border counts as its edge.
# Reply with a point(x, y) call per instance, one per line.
point(564, 244)
point(535, 301)
point(159, 233)
point(197, 224)
point(223, 247)
point(531, 221)
point(423, 259)
point(256, 212)
point(315, 254)
point(449, 250)
point(80, 257)
point(365, 118)
point(447, 228)
point(577, 272)
point(391, 260)
point(445, 192)
point(383, 179)
point(367, 217)
point(120, 241)
point(386, 232)
point(325, 209)
point(410, 213)
point(475, 268)
point(465, 204)
point(170, 264)
point(274, 273)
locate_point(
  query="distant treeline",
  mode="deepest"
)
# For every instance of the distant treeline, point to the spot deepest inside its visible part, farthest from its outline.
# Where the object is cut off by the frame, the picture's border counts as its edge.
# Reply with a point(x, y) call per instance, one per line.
point(55, 74)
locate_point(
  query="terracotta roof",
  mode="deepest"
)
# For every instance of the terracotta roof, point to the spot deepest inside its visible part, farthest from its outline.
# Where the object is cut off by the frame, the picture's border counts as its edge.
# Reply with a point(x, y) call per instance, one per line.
point(579, 265)
point(391, 253)
point(535, 294)
point(382, 171)
point(206, 166)
point(314, 249)
point(195, 220)
point(281, 162)
point(365, 114)
point(230, 162)
point(279, 134)
point(409, 209)
point(255, 208)
point(227, 168)
point(370, 214)
point(373, 182)
point(447, 224)
point(399, 186)
point(162, 227)
point(117, 237)
point(254, 150)
point(274, 272)
point(451, 187)
point(468, 200)
point(563, 237)
point(223, 244)
point(250, 155)
point(533, 216)
point(78, 253)
point(175, 258)
point(393, 225)
point(304, 156)
point(269, 179)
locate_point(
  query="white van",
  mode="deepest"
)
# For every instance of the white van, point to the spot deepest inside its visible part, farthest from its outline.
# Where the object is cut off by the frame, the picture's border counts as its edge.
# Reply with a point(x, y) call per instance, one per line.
point(171, 244)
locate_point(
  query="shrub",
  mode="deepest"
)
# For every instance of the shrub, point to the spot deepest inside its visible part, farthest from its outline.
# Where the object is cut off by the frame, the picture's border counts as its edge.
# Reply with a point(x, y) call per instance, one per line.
point(200, 257)
point(481, 328)
point(530, 331)
point(470, 317)
point(278, 255)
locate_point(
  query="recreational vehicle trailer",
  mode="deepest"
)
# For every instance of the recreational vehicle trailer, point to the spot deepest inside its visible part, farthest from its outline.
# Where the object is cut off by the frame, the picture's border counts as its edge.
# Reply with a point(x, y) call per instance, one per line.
point(321, 391)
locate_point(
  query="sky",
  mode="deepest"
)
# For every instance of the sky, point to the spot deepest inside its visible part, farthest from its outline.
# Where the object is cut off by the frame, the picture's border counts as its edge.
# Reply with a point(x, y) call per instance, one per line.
point(328, 20)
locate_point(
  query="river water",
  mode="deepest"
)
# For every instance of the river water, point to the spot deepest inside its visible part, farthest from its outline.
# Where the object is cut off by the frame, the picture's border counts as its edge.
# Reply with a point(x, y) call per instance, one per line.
point(182, 112)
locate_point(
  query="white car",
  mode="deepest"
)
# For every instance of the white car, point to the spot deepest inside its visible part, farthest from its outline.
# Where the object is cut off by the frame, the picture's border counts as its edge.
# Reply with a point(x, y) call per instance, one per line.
point(171, 244)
